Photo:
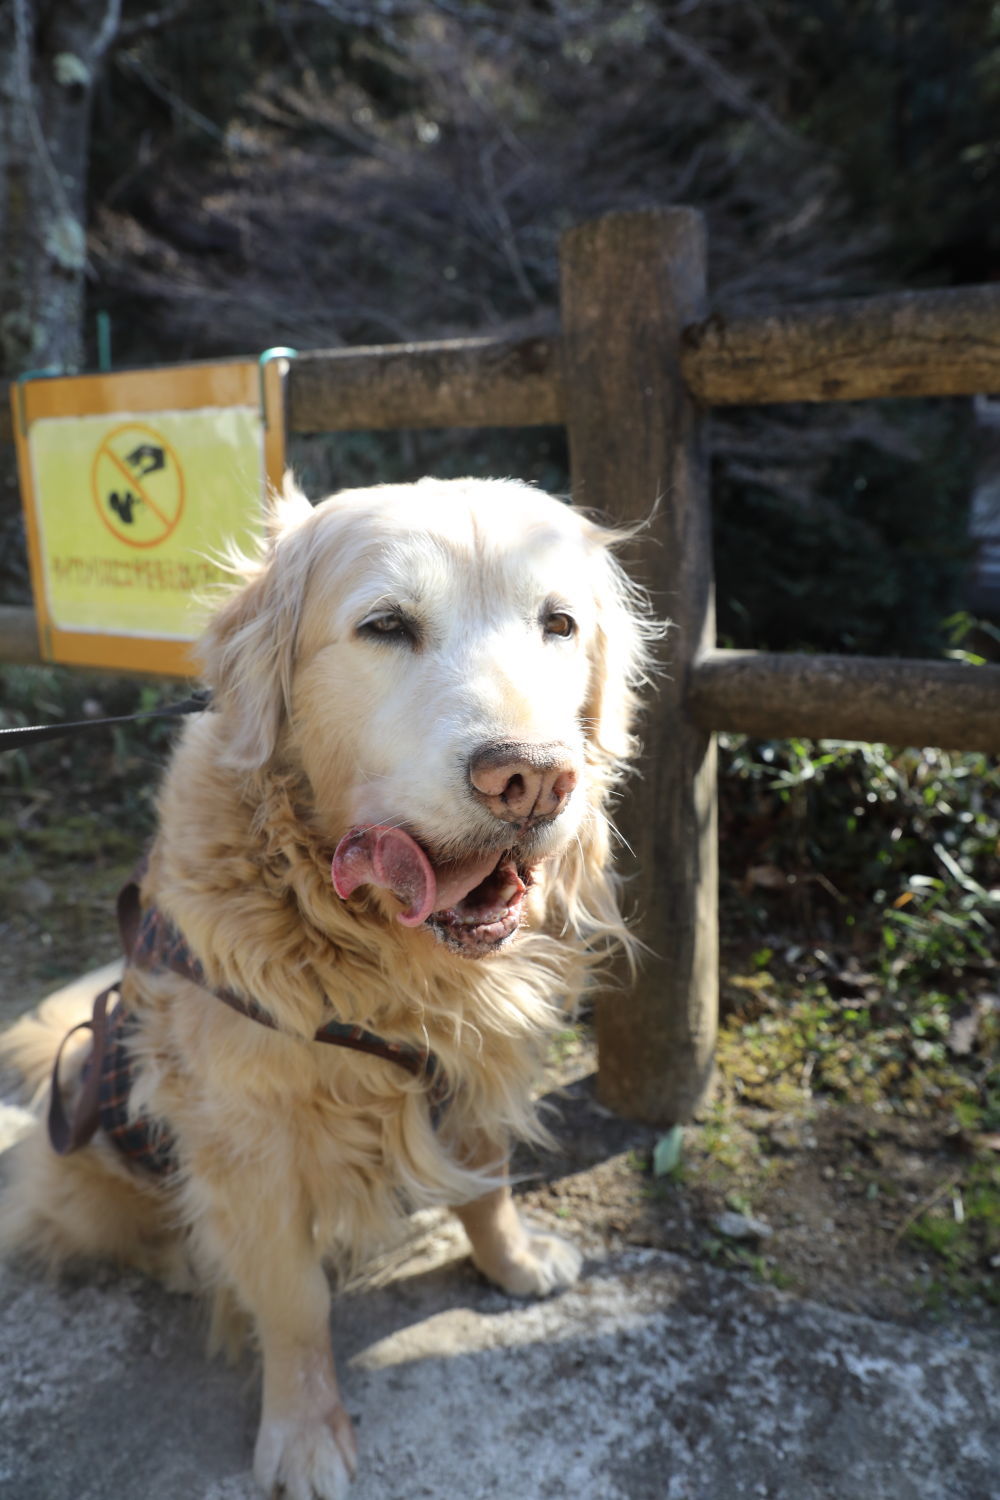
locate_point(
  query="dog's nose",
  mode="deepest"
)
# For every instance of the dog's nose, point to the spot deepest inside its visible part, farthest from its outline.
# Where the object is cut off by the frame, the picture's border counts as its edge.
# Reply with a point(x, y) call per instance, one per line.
point(523, 783)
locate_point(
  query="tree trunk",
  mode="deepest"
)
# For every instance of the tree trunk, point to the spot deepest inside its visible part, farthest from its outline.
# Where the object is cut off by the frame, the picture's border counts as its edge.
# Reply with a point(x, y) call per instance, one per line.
point(48, 63)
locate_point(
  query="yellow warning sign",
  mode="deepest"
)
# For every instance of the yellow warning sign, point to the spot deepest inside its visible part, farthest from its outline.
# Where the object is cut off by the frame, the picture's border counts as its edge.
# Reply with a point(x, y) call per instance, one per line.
point(132, 507)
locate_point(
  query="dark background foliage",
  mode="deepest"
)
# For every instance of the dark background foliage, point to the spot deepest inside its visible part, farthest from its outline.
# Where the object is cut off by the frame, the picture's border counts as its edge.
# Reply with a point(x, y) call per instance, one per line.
point(321, 172)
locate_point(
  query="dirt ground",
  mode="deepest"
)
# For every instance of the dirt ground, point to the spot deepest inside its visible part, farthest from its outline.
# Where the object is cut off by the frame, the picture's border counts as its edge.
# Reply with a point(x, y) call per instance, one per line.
point(820, 1200)
point(819, 1205)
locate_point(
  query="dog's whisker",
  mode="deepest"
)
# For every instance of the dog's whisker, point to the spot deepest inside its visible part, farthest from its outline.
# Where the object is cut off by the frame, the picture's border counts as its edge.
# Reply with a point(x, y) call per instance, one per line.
point(619, 837)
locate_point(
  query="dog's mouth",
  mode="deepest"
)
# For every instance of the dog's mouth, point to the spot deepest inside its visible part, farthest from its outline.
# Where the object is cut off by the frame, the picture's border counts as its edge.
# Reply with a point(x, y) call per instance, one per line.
point(490, 914)
point(473, 905)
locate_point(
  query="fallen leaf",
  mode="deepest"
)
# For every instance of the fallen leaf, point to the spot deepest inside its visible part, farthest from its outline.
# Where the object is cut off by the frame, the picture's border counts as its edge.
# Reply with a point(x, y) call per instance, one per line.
point(667, 1151)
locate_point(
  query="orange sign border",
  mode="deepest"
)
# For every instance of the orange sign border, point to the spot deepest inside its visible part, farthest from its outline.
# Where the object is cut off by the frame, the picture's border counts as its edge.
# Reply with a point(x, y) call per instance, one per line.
point(136, 393)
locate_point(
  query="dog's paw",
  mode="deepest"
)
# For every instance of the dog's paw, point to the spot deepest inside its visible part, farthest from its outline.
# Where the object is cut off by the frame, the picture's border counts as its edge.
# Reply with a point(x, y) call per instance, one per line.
point(306, 1460)
point(539, 1264)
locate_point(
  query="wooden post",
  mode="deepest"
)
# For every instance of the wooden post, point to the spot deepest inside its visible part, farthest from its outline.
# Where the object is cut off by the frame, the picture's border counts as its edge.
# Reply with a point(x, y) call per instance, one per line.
point(631, 282)
point(18, 635)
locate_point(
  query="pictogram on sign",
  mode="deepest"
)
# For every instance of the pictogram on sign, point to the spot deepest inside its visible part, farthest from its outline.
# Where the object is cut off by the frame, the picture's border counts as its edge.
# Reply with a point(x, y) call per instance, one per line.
point(138, 485)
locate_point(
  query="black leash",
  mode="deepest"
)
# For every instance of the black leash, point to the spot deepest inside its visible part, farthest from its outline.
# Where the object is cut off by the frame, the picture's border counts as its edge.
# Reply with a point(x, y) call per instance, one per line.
point(31, 734)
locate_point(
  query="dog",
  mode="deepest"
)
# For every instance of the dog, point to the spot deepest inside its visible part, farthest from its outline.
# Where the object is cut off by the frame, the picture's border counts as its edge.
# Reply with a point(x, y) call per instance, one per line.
point(389, 831)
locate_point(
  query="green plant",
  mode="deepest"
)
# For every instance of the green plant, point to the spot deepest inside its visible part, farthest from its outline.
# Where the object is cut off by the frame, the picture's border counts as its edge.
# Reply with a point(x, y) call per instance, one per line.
point(862, 830)
point(961, 1229)
point(939, 928)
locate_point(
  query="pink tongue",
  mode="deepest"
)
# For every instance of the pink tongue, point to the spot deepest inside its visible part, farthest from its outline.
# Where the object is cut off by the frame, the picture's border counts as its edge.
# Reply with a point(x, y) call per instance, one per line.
point(390, 858)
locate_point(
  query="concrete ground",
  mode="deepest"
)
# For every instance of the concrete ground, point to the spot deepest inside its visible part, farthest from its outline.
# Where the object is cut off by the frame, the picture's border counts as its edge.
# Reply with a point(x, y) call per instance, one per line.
point(654, 1379)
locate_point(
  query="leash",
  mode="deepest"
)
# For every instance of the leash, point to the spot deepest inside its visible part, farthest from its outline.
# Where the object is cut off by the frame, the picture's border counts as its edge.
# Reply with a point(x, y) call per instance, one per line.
point(31, 734)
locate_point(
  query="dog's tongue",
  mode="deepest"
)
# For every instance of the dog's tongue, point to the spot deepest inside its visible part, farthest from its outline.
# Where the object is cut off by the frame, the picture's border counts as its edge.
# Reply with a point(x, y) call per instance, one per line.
point(390, 858)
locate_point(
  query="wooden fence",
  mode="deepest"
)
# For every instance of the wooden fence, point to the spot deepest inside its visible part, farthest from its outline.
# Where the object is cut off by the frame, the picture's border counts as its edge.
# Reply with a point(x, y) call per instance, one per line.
point(636, 363)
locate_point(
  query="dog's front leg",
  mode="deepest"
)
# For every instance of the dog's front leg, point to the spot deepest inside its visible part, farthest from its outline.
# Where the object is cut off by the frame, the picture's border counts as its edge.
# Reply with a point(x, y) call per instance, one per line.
point(524, 1261)
point(305, 1446)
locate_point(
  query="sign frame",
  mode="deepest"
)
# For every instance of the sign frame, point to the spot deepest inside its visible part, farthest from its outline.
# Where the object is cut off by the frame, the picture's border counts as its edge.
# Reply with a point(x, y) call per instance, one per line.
point(134, 398)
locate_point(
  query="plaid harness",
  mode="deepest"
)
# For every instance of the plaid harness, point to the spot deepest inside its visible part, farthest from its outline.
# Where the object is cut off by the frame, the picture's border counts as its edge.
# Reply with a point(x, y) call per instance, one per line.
point(145, 1141)
point(152, 942)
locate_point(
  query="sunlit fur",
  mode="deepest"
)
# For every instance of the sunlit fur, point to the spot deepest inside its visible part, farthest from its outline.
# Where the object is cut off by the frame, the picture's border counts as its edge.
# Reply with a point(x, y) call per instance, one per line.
point(291, 1150)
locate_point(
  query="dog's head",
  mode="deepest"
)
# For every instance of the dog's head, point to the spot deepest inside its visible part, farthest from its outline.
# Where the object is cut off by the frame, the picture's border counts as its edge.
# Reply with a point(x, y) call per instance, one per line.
point(451, 665)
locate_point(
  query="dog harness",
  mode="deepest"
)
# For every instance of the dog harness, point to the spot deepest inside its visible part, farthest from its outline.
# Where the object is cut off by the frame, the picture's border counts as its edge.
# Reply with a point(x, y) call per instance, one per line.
point(152, 942)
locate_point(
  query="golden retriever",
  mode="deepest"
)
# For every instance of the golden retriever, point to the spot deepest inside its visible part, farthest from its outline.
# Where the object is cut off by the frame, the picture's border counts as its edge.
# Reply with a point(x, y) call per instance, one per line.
point(394, 818)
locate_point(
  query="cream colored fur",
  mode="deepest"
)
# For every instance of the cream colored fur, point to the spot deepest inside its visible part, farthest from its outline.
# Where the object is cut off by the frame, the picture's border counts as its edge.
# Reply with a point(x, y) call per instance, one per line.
point(293, 1154)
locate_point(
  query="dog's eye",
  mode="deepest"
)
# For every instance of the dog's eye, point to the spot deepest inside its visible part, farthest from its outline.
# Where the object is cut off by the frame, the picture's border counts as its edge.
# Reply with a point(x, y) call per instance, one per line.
point(392, 626)
point(558, 622)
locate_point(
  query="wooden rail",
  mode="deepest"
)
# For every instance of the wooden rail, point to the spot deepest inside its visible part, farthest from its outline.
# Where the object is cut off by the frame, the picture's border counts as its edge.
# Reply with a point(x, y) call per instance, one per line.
point(933, 343)
point(880, 699)
point(781, 695)
point(629, 374)
point(487, 382)
point(941, 343)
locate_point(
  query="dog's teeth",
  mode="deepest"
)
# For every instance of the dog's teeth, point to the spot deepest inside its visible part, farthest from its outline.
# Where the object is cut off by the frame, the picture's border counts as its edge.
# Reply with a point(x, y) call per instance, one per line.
point(482, 919)
point(508, 893)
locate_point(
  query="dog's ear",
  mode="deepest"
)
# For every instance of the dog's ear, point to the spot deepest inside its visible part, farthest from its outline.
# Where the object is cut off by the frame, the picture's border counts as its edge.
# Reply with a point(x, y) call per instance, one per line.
point(584, 889)
point(287, 508)
point(619, 658)
point(247, 652)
